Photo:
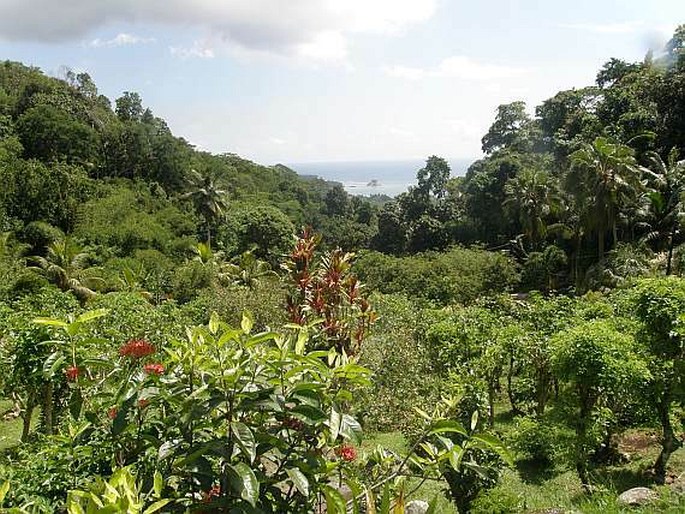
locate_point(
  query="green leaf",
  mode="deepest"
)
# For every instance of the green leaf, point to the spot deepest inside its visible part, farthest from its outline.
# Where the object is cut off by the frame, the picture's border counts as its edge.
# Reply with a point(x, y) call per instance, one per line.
point(370, 502)
point(52, 364)
point(350, 429)
point(244, 482)
point(91, 315)
point(245, 439)
point(158, 484)
point(51, 322)
point(158, 505)
point(474, 420)
point(385, 501)
point(448, 426)
point(301, 343)
point(247, 322)
point(491, 442)
point(455, 456)
point(334, 422)
point(299, 480)
point(75, 404)
point(4, 489)
point(335, 503)
point(214, 323)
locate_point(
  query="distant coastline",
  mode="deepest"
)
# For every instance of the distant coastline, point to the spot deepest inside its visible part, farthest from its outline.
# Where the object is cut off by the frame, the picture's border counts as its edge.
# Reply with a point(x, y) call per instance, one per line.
point(373, 177)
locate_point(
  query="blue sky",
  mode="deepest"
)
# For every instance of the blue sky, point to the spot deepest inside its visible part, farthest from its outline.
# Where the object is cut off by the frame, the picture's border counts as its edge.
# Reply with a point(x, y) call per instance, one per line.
point(325, 80)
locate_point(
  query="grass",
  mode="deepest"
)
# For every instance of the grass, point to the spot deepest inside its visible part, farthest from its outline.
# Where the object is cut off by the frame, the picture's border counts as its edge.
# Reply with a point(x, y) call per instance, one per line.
point(396, 442)
point(10, 429)
point(534, 488)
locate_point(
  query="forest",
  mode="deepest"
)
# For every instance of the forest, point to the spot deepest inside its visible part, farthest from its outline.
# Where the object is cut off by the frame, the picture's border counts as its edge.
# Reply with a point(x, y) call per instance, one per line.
point(183, 331)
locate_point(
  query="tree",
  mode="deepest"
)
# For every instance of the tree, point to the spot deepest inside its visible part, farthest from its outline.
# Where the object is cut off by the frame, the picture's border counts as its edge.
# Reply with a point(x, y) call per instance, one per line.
point(209, 200)
point(598, 363)
point(608, 175)
point(659, 304)
point(666, 200)
point(433, 177)
point(532, 196)
point(67, 266)
point(510, 129)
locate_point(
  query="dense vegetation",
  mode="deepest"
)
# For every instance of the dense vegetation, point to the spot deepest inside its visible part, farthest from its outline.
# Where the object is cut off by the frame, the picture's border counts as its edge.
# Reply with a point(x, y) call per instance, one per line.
point(168, 344)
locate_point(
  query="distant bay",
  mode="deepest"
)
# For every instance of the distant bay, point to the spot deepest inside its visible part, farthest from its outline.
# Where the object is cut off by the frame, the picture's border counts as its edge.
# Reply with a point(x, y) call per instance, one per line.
point(374, 177)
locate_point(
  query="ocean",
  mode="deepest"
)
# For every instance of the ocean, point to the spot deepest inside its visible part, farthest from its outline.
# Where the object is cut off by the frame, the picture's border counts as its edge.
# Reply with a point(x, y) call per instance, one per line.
point(374, 177)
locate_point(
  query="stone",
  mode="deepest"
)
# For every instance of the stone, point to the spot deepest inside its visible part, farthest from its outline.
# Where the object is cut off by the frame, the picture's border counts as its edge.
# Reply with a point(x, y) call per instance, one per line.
point(678, 484)
point(416, 507)
point(637, 496)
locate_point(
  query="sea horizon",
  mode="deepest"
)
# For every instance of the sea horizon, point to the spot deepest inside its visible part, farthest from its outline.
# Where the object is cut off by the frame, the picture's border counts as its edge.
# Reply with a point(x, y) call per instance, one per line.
point(368, 177)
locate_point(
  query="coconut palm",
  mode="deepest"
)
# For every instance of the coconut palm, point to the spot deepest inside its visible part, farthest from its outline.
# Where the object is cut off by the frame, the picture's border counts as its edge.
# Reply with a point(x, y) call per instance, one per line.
point(665, 201)
point(533, 196)
point(209, 200)
point(608, 176)
point(68, 267)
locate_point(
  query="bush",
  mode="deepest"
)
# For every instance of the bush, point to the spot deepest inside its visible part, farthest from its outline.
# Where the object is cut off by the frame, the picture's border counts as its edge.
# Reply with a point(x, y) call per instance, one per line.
point(459, 275)
point(498, 501)
point(404, 374)
point(534, 440)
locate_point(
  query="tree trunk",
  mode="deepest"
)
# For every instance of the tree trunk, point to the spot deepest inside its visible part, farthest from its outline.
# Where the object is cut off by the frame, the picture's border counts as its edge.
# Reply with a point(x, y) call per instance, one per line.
point(28, 416)
point(600, 241)
point(491, 404)
point(669, 442)
point(510, 392)
point(671, 240)
point(48, 409)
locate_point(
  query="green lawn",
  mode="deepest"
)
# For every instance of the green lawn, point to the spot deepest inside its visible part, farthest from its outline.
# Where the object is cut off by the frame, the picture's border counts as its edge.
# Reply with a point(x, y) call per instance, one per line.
point(10, 430)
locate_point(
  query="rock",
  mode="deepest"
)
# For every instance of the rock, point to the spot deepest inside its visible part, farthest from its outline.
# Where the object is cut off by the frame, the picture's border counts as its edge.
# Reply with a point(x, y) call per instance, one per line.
point(416, 507)
point(678, 484)
point(637, 496)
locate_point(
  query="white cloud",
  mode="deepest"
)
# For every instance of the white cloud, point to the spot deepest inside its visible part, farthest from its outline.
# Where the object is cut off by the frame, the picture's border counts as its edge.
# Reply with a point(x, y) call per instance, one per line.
point(121, 39)
point(626, 27)
point(457, 66)
point(314, 29)
point(201, 49)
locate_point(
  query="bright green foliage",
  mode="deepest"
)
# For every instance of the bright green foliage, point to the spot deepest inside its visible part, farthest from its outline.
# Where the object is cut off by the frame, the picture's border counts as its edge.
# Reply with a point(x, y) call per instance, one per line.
point(120, 493)
point(599, 365)
point(659, 305)
point(460, 275)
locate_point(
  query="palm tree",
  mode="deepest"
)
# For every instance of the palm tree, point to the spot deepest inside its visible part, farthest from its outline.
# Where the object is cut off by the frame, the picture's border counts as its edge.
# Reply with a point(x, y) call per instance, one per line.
point(608, 176)
point(247, 270)
point(533, 195)
point(209, 200)
point(665, 207)
point(67, 266)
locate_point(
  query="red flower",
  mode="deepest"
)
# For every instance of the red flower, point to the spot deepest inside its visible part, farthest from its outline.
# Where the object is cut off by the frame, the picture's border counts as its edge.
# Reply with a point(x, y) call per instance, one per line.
point(347, 452)
point(72, 373)
point(142, 403)
point(112, 412)
point(136, 349)
point(153, 369)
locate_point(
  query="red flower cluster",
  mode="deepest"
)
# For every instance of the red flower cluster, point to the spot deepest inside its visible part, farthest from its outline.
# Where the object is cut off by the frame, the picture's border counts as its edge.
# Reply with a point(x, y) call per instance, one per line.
point(112, 412)
point(154, 369)
point(136, 349)
point(142, 403)
point(72, 373)
point(347, 452)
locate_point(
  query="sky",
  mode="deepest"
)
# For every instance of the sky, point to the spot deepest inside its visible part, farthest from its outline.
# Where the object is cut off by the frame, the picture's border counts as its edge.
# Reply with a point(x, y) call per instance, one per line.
point(333, 80)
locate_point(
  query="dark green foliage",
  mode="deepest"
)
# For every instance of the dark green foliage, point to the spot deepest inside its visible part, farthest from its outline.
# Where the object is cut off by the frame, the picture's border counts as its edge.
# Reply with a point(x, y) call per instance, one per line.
point(262, 229)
